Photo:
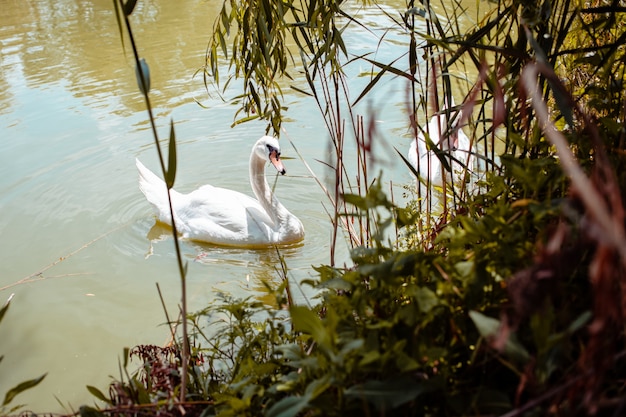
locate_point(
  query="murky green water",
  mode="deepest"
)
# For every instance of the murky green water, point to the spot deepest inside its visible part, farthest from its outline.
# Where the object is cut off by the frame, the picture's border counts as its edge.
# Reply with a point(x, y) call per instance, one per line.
point(78, 247)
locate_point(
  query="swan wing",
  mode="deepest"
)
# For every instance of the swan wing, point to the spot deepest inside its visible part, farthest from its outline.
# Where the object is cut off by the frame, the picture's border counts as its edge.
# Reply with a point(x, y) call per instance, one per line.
point(429, 166)
point(155, 190)
point(222, 216)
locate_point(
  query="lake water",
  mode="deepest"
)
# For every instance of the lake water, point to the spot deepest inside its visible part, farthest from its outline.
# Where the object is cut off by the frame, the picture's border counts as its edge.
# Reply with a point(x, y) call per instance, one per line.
point(78, 247)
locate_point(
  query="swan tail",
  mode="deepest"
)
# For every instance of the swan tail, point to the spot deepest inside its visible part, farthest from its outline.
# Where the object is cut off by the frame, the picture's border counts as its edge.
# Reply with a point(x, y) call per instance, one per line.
point(155, 191)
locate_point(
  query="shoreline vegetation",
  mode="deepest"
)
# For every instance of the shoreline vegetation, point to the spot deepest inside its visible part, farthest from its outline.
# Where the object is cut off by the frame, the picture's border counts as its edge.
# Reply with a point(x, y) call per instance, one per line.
point(500, 292)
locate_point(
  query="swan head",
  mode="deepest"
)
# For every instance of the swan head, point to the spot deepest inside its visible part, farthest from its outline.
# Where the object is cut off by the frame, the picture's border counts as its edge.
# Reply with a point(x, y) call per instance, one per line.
point(268, 148)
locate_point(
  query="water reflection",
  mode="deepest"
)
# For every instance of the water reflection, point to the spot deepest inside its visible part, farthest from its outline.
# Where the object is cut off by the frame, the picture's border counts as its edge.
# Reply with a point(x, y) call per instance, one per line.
point(259, 265)
point(44, 42)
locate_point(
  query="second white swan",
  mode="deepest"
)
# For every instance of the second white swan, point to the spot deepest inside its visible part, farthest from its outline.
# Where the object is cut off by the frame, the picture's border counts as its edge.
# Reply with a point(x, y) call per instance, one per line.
point(226, 217)
point(451, 140)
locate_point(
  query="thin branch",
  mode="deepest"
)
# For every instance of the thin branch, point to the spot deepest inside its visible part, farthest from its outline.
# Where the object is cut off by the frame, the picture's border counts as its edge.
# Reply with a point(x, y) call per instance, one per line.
point(38, 276)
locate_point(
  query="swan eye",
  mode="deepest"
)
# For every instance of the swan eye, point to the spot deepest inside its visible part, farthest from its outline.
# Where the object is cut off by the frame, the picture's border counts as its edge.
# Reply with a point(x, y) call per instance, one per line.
point(271, 149)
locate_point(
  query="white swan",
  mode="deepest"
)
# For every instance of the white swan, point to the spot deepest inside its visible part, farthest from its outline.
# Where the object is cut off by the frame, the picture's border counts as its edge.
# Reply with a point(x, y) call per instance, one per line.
point(225, 217)
point(457, 142)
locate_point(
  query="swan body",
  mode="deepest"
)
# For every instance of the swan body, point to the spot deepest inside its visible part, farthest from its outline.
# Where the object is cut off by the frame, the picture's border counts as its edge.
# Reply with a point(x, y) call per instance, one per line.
point(226, 217)
point(453, 141)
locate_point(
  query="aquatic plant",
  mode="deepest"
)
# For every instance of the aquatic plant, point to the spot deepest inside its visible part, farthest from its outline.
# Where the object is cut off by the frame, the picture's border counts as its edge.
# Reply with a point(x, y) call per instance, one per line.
point(508, 302)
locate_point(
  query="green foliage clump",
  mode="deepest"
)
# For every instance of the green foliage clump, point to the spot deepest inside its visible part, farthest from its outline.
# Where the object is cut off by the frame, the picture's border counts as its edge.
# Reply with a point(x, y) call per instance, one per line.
point(401, 331)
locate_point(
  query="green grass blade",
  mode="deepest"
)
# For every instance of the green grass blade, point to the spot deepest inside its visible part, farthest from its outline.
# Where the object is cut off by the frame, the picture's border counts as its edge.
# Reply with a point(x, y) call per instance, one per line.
point(119, 22)
point(5, 307)
point(21, 387)
point(129, 6)
point(170, 175)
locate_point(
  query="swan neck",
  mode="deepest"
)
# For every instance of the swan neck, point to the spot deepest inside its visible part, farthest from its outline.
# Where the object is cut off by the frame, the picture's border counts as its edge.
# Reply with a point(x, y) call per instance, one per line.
point(263, 192)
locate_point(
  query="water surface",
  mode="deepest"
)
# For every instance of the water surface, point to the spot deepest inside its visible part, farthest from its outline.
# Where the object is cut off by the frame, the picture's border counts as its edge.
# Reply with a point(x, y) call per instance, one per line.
point(79, 248)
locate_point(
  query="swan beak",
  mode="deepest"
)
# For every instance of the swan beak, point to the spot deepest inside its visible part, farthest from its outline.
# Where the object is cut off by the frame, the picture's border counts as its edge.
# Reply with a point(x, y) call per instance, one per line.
point(275, 160)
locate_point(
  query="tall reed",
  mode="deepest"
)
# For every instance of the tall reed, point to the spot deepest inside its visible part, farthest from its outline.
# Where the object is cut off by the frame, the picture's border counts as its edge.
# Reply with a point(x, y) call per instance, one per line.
point(123, 11)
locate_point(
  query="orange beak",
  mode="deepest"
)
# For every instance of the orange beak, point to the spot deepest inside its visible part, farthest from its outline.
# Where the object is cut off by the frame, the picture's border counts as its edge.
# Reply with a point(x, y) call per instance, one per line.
point(275, 160)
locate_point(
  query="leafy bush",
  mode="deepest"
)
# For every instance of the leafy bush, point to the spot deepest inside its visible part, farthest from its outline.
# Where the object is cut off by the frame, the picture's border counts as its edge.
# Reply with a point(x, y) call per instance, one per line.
point(407, 331)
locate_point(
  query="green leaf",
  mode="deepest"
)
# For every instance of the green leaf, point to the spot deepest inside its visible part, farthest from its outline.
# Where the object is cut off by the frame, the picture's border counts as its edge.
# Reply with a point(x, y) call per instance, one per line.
point(336, 284)
point(307, 321)
point(291, 351)
point(375, 197)
point(301, 91)
point(222, 41)
point(407, 163)
point(370, 357)
point(387, 394)
point(245, 120)
point(443, 156)
point(385, 68)
point(119, 21)
point(86, 411)
point(5, 307)
point(170, 174)
point(129, 6)
point(580, 321)
point(21, 388)
point(352, 345)
point(541, 324)
point(405, 363)
point(98, 394)
point(126, 356)
point(488, 328)
point(143, 396)
point(405, 217)
point(369, 86)
point(562, 100)
point(317, 387)
point(465, 268)
point(288, 407)
point(356, 200)
point(255, 96)
point(426, 299)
